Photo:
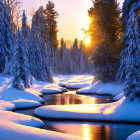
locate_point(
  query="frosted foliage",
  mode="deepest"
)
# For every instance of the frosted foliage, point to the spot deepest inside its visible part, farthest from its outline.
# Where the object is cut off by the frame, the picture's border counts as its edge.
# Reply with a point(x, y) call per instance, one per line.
point(20, 68)
point(132, 57)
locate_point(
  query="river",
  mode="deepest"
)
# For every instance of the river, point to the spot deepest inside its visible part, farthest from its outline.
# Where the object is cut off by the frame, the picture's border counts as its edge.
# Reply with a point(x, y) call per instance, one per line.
point(87, 130)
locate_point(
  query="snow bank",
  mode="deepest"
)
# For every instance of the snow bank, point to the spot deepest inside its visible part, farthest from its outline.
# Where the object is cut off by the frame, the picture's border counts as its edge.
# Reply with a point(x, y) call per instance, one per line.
point(9, 130)
point(74, 81)
point(120, 111)
point(9, 93)
point(134, 136)
point(20, 119)
point(103, 88)
point(4, 105)
point(45, 87)
point(118, 97)
point(21, 103)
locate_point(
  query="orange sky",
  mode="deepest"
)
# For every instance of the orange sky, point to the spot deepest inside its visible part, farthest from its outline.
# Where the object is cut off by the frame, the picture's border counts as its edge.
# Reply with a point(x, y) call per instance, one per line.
point(73, 15)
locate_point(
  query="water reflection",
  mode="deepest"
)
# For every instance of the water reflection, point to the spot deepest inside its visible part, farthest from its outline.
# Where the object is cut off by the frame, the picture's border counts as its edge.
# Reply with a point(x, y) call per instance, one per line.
point(66, 99)
point(89, 131)
point(86, 132)
point(94, 131)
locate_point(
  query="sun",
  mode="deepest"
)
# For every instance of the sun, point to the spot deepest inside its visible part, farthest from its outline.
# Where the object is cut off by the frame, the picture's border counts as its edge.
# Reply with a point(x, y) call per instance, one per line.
point(87, 40)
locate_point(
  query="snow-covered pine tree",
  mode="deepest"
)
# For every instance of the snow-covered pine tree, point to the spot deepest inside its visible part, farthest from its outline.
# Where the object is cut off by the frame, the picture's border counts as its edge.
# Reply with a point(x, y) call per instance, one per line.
point(64, 60)
point(82, 60)
point(38, 55)
point(3, 47)
point(24, 28)
point(50, 60)
point(35, 58)
point(75, 58)
point(121, 74)
point(20, 68)
point(132, 36)
point(126, 8)
point(7, 32)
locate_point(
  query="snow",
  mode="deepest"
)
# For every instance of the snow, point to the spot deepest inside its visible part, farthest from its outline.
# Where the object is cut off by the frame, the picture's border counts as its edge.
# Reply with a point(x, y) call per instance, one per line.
point(134, 136)
point(120, 111)
point(20, 119)
point(25, 98)
point(74, 81)
point(4, 105)
point(100, 88)
point(118, 97)
point(45, 87)
point(21, 103)
point(9, 93)
point(9, 130)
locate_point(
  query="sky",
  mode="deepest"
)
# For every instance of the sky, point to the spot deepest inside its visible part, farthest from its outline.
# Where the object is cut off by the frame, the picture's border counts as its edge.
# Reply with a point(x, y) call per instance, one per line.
point(73, 15)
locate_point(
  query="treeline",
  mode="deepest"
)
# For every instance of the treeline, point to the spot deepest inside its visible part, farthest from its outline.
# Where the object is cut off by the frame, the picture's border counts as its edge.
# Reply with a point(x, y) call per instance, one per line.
point(72, 60)
point(34, 51)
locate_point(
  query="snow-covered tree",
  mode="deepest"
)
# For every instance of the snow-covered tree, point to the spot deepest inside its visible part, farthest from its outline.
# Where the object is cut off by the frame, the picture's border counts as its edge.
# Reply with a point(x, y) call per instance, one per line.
point(24, 29)
point(132, 57)
point(127, 24)
point(38, 56)
point(7, 32)
point(20, 68)
point(3, 47)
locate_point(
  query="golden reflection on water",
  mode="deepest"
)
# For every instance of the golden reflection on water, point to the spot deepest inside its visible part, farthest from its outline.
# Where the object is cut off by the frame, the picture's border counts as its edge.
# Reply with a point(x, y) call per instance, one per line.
point(94, 132)
point(86, 132)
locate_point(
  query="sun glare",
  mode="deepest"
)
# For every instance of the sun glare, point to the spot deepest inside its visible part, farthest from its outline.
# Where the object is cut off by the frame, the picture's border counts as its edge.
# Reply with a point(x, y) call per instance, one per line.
point(84, 23)
point(87, 40)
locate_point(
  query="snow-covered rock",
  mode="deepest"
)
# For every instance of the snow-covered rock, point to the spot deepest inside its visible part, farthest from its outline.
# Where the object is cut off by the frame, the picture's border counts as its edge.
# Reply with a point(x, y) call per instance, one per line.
point(120, 111)
point(103, 88)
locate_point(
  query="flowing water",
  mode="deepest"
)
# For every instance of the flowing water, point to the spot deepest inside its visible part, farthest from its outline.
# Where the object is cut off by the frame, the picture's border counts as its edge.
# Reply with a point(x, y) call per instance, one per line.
point(87, 130)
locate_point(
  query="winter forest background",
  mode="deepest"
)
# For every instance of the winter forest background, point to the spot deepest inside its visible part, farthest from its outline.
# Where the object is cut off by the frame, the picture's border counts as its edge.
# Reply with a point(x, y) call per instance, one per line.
point(33, 51)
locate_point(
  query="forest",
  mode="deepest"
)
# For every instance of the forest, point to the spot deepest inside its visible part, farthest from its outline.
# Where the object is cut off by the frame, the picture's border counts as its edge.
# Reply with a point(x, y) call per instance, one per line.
point(50, 88)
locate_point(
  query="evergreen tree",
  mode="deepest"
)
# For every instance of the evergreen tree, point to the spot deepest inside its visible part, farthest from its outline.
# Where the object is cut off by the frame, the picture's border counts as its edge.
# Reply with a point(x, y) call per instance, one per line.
point(24, 29)
point(105, 32)
point(3, 47)
point(7, 32)
point(21, 73)
point(41, 24)
point(124, 54)
point(132, 55)
point(126, 9)
point(38, 56)
point(51, 16)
